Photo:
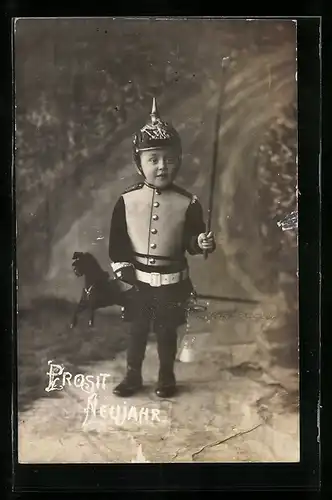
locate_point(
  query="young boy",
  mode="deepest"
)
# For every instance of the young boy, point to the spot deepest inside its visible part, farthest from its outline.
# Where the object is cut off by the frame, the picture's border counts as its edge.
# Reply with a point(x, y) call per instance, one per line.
point(154, 224)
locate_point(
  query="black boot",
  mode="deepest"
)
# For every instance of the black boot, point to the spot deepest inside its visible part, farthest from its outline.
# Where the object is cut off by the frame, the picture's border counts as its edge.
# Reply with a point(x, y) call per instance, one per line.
point(167, 347)
point(132, 382)
point(130, 385)
point(166, 387)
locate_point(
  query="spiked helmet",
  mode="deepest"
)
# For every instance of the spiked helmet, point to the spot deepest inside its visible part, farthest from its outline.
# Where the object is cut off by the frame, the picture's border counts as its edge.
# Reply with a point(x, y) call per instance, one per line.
point(156, 134)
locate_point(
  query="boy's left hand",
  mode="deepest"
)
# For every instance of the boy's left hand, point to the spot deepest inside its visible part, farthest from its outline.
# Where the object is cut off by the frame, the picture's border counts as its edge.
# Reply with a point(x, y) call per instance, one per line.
point(206, 241)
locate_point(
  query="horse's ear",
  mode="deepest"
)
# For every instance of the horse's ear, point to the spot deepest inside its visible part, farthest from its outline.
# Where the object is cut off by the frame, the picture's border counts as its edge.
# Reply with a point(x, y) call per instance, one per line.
point(77, 255)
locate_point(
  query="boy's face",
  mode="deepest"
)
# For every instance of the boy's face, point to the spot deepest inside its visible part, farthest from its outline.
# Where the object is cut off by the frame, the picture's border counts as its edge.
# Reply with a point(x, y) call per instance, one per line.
point(159, 166)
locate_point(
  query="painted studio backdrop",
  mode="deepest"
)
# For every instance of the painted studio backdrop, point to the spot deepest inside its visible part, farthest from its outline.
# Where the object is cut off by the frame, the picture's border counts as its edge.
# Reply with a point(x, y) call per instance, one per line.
point(83, 87)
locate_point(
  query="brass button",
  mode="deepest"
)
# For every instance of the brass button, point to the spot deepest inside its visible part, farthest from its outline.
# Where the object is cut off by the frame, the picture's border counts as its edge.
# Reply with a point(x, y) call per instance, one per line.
point(155, 217)
point(153, 245)
point(154, 231)
point(152, 261)
point(157, 191)
point(156, 204)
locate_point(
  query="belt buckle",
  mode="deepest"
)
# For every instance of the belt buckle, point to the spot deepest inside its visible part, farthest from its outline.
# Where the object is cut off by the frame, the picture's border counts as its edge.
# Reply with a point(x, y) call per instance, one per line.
point(155, 279)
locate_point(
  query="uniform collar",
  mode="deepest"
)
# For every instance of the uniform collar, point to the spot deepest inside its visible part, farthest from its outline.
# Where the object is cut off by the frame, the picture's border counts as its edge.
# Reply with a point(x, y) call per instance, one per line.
point(158, 189)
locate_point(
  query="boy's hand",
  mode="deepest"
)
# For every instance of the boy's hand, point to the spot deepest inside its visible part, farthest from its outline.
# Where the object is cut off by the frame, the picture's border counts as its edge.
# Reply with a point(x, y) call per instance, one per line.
point(206, 241)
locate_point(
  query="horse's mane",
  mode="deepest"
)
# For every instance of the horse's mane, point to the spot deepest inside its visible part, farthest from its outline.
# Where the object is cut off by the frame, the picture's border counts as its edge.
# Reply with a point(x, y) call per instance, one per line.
point(94, 264)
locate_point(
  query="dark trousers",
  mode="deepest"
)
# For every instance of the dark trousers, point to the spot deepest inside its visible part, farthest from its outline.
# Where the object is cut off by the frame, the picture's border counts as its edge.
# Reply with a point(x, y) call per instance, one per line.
point(153, 310)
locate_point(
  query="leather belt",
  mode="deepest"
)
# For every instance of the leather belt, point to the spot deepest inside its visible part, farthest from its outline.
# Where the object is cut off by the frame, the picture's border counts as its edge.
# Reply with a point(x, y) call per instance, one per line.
point(160, 279)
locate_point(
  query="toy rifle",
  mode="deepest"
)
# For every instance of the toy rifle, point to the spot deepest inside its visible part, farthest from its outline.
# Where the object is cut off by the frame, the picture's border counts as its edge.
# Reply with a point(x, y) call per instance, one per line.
point(224, 63)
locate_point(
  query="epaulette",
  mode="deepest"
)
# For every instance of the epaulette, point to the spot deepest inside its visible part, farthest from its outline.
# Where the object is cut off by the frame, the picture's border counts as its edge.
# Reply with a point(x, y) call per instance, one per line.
point(184, 192)
point(138, 185)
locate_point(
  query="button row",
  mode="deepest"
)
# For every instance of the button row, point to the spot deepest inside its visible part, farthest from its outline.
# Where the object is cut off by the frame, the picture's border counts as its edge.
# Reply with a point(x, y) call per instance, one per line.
point(156, 204)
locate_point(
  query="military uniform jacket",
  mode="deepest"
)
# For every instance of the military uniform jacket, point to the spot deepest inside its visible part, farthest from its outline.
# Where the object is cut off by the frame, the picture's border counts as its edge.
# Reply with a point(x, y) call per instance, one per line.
point(153, 229)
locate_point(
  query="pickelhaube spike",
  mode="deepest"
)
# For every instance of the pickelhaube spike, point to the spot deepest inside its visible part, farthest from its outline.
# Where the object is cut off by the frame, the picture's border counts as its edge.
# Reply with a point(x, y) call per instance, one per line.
point(154, 112)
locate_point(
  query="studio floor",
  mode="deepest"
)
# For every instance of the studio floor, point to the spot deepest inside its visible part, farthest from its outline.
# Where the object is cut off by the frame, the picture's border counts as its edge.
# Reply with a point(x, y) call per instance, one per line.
point(232, 404)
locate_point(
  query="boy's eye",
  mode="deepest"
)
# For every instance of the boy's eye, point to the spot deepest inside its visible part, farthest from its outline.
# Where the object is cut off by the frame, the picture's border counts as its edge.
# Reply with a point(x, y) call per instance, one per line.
point(155, 161)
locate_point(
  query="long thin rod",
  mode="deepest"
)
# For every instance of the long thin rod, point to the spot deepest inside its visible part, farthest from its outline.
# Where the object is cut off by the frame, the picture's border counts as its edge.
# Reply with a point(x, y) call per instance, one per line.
point(215, 152)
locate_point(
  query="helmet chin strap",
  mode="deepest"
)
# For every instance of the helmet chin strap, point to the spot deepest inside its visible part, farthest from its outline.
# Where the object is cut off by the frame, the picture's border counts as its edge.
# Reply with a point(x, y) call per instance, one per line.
point(138, 169)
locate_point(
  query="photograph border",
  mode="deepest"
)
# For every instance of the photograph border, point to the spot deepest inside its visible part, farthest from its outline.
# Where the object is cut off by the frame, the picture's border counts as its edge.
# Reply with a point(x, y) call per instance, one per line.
point(304, 475)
